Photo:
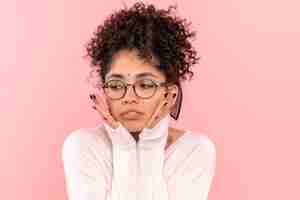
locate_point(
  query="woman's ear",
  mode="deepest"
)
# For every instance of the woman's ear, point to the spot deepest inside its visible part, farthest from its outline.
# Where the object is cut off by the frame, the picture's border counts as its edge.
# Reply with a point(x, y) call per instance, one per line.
point(173, 91)
point(176, 107)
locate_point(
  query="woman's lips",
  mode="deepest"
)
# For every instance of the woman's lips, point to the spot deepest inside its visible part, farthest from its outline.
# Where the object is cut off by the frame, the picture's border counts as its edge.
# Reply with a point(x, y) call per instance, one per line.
point(132, 115)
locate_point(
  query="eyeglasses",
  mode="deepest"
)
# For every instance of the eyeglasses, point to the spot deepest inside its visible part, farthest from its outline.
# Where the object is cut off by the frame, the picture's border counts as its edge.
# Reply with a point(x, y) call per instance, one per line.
point(145, 88)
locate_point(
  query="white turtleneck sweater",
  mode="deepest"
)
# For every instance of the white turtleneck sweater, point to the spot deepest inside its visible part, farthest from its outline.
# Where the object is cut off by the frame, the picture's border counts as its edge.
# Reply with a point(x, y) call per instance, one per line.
point(103, 163)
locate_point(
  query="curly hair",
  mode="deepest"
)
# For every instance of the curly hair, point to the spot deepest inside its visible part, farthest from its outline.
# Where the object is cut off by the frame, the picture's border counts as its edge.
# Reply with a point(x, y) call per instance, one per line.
point(155, 33)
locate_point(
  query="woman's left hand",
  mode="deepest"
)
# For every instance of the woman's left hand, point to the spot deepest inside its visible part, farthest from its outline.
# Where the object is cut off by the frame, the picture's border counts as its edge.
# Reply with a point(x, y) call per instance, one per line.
point(163, 109)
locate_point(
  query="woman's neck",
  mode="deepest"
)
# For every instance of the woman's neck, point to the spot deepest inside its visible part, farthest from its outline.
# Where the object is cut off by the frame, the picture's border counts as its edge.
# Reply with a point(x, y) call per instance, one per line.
point(173, 135)
point(135, 135)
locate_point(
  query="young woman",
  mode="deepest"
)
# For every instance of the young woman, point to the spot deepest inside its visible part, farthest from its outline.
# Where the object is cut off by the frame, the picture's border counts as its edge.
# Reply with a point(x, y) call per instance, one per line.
point(141, 55)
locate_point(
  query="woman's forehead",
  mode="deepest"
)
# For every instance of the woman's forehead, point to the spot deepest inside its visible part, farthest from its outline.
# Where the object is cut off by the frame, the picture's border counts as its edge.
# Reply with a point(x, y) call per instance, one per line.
point(127, 65)
point(132, 75)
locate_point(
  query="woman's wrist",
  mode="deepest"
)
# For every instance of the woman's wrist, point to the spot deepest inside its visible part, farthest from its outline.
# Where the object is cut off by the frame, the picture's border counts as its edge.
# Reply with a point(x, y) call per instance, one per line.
point(120, 136)
point(156, 136)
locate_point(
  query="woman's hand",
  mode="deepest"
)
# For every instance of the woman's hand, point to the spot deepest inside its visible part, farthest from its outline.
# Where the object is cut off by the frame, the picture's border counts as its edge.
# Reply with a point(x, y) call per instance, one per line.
point(102, 108)
point(162, 110)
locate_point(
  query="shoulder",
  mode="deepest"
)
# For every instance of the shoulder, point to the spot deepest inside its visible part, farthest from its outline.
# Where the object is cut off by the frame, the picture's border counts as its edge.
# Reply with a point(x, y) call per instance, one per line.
point(195, 156)
point(84, 140)
point(203, 142)
point(195, 138)
point(201, 151)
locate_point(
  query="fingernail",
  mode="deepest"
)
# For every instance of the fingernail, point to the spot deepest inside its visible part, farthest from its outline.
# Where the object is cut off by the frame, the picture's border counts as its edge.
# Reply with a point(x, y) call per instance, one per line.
point(92, 96)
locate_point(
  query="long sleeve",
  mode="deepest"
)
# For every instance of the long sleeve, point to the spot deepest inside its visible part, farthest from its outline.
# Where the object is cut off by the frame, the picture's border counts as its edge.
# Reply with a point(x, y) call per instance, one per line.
point(193, 179)
point(202, 180)
point(85, 176)
point(152, 185)
point(124, 163)
point(138, 166)
point(193, 176)
point(96, 169)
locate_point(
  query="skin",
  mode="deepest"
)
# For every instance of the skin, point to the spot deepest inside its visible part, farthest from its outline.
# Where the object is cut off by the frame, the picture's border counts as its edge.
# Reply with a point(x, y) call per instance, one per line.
point(128, 64)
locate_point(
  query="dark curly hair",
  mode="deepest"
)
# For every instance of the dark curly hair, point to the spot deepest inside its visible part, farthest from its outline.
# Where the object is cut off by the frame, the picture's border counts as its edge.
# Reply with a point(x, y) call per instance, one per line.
point(155, 33)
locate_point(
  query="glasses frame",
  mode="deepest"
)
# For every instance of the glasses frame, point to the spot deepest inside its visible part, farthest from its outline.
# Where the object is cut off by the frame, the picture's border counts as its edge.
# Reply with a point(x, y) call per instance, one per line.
point(126, 85)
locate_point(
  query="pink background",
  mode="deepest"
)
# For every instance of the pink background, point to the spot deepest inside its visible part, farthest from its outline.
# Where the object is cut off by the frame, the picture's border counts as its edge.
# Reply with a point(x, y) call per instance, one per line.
point(247, 98)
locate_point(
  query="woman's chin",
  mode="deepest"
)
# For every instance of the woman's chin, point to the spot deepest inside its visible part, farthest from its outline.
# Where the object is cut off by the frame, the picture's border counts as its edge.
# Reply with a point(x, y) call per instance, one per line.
point(134, 129)
point(133, 126)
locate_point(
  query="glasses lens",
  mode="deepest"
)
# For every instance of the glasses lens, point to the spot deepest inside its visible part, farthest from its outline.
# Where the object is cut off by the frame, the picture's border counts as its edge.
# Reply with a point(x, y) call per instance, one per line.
point(145, 88)
point(114, 89)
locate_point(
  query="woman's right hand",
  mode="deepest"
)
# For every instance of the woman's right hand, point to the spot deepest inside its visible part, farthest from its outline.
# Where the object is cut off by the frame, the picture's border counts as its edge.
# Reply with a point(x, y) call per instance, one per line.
point(101, 106)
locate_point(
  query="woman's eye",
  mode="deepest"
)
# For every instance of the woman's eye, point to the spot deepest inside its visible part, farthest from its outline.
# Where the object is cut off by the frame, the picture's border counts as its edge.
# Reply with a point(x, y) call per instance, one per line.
point(115, 87)
point(145, 85)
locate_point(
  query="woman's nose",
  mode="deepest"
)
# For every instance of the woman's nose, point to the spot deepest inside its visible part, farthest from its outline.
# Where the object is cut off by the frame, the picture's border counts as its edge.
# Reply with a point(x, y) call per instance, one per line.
point(130, 93)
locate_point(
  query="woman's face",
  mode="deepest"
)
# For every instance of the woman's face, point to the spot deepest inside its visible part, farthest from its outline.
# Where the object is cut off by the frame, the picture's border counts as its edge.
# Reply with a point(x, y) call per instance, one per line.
point(129, 65)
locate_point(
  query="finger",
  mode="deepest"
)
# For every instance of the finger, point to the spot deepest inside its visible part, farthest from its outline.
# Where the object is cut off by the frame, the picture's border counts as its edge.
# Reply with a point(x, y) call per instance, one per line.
point(97, 101)
point(100, 99)
point(155, 116)
point(101, 106)
point(166, 108)
point(104, 105)
point(101, 111)
point(103, 102)
point(107, 116)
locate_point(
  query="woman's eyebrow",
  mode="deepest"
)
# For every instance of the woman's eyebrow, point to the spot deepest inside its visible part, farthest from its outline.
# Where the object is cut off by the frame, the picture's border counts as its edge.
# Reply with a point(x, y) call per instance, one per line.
point(145, 74)
point(115, 76)
point(140, 75)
